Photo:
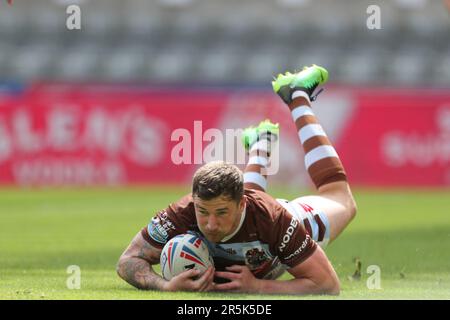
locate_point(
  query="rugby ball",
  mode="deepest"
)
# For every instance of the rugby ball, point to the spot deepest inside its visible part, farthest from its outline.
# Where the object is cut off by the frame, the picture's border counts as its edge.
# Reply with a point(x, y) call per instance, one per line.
point(184, 252)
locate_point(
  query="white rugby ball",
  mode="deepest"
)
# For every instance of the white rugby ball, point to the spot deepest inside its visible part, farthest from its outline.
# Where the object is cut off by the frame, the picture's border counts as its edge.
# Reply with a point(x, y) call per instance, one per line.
point(184, 252)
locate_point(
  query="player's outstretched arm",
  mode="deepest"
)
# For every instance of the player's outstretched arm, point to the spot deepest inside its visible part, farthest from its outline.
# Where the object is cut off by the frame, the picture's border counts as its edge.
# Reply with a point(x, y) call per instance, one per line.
point(313, 276)
point(135, 267)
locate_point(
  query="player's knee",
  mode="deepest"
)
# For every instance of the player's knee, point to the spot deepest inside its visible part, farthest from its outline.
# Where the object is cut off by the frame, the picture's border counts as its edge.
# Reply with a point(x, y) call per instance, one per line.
point(347, 199)
point(341, 193)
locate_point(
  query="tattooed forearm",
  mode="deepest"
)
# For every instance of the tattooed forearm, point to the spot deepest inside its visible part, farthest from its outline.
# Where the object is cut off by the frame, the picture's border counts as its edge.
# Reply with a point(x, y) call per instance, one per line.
point(139, 273)
point(135, 265)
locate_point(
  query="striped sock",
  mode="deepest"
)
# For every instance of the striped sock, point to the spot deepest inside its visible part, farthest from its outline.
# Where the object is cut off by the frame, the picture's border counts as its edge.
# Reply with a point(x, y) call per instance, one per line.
point(255, 172)
point(321, 160)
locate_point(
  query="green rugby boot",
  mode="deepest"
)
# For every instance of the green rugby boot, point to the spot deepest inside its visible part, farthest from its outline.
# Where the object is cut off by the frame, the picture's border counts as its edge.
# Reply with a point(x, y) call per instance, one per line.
point(306, 80)
point(264, 129)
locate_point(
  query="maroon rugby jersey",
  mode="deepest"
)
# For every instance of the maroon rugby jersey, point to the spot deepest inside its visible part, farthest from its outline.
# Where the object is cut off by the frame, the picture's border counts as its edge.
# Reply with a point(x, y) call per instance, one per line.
point(268, 241)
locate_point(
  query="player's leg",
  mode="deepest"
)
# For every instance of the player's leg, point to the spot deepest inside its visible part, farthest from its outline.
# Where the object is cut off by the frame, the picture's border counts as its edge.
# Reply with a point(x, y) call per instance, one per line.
point(258, 141)
point(334, 207)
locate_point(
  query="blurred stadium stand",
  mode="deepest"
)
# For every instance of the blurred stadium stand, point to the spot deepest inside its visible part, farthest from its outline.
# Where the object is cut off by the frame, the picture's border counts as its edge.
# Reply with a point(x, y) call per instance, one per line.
point(225, 41)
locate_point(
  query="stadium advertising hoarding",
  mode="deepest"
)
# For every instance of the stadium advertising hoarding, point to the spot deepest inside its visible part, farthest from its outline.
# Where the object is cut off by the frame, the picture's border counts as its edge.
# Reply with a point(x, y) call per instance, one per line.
point(399, 138)
point(109, 135)
point(71, 135)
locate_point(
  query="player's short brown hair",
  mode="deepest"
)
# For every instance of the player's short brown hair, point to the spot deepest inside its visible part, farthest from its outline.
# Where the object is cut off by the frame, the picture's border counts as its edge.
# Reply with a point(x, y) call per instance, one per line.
point(218, 178)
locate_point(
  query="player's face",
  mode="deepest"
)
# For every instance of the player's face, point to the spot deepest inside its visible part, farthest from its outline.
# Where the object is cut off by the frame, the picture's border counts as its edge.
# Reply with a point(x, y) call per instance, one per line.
point(218, 217)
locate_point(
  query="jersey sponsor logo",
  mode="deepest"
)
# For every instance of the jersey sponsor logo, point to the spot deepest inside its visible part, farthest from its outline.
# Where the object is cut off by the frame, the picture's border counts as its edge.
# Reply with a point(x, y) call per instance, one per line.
point(165, 221)
point(301, 248)
point(157, 232)
point(289, 232)
point(230, 251)
point(159, 227)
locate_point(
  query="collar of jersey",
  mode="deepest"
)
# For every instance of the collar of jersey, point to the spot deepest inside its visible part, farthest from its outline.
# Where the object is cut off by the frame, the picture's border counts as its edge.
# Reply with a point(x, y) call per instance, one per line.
point(238, 228)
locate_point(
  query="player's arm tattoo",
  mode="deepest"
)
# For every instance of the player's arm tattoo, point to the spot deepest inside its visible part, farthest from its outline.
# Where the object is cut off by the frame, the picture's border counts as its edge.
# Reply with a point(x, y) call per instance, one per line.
point(135, 265)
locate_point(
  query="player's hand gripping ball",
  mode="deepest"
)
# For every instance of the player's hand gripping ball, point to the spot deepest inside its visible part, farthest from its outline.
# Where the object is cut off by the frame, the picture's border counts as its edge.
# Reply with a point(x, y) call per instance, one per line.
point(184, 252)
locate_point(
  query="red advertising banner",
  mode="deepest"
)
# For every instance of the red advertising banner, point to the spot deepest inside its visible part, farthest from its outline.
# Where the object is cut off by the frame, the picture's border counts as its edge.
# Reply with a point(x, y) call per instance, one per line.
point(398, 138)
point(84, 138)
point(110, 135)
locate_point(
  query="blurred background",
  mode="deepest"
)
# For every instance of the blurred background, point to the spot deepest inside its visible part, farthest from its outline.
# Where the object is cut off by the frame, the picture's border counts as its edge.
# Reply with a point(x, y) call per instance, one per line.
point(130, 99)
point(189, 41)
point(99, 105)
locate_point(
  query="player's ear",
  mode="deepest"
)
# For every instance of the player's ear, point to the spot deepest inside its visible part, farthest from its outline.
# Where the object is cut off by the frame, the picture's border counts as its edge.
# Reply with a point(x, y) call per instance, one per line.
point(242, 203)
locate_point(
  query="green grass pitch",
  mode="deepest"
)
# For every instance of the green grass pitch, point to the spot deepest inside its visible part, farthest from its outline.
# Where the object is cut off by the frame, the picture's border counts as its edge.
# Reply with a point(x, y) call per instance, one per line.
point(406, 233)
